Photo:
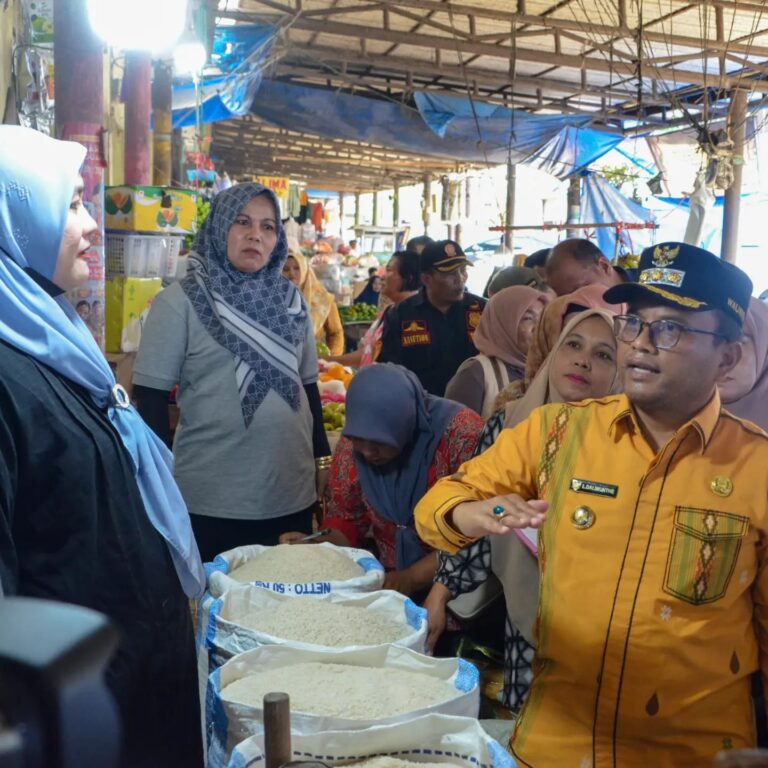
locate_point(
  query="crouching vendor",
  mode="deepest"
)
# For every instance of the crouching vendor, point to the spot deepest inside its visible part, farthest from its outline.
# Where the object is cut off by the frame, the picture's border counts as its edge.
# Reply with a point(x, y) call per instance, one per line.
point(397, 442)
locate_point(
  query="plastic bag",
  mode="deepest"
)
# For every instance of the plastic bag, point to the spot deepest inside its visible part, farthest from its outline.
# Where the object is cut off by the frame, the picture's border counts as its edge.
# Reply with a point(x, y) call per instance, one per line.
point(429, 739)
point(229, 723)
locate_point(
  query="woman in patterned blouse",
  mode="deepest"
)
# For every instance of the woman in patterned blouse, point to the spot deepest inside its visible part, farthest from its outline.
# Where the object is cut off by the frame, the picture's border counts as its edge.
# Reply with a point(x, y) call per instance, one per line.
point(397, 442)
point(581, 365)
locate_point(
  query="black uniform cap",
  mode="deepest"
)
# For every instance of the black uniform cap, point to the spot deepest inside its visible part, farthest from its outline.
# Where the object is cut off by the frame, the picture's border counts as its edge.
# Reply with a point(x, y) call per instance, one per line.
point(687, 277)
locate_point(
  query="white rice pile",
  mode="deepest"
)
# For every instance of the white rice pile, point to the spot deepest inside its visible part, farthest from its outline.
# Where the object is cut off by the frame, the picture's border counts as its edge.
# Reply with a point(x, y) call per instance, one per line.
point(395, 762)
point(297, 564)
point(322, 623)
point(338, 690)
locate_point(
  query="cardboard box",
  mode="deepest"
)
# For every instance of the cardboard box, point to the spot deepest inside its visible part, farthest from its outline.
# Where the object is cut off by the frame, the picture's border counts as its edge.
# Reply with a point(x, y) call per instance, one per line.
point(150, 209)
point(127, 304)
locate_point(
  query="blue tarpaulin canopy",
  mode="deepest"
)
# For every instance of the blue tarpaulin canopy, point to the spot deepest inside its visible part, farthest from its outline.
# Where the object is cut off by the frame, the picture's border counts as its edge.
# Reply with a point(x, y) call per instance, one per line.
point(442, 127)
point(239, 53)
point(601, 202)
point(557, 144)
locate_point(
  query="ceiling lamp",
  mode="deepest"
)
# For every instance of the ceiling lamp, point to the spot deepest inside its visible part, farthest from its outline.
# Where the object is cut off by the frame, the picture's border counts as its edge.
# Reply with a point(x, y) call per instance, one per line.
point(140, 25)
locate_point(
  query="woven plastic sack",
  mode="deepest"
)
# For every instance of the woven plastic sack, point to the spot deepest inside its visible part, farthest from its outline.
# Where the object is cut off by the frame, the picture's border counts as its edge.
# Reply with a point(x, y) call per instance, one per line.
point(230, 722)
point(222, 637)
point(457, 741)
point(225, 636)
point(371, 578)
point(219, 583)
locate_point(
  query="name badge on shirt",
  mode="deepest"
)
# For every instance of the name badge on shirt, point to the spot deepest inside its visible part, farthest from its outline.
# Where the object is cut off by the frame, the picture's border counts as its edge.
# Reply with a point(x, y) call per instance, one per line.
point(597, 489)
point(414, 333)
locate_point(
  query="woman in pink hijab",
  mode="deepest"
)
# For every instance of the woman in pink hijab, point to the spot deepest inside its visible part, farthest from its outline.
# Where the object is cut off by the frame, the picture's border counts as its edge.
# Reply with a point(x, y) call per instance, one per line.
point(502, 339)
point(553, 320)
point(744, 392)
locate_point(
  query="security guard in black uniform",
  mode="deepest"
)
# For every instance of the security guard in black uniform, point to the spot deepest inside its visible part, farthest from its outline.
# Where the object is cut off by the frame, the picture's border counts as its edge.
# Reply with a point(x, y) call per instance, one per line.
point(431, 333)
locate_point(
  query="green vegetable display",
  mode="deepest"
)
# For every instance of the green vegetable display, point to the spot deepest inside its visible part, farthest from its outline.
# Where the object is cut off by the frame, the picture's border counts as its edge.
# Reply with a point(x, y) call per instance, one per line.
point(203, 209)
point(358, 313)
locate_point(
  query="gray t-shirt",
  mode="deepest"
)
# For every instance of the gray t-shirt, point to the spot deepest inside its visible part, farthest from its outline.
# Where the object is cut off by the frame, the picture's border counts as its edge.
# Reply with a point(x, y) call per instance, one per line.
point(223, 468)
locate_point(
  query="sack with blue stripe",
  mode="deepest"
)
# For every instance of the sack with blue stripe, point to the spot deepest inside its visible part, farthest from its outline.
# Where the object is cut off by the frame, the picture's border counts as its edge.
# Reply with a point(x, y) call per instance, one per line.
point(427, 740)
point(371, 575)
point(231, 721)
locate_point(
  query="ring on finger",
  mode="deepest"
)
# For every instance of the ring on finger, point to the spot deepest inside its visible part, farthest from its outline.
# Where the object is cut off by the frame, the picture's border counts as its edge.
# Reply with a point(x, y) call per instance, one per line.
point(498, 510)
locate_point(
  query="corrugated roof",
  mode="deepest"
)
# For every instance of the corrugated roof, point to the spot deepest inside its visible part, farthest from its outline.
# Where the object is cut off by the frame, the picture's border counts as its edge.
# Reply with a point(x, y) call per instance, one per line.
point(612, 59)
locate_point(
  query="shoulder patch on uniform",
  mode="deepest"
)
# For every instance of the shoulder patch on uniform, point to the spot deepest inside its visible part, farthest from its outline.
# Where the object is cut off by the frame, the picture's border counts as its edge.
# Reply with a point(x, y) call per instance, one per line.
point(414, 332)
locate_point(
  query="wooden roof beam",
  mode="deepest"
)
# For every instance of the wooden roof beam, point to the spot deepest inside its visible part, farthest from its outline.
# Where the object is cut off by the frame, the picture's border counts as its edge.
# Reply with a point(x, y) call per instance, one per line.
point(728, 5)
point(372, 162)
point(520, 100)
point(547, 22)
point(547, 58)
point(243, 133)
point(484, 77)
point(352, 177)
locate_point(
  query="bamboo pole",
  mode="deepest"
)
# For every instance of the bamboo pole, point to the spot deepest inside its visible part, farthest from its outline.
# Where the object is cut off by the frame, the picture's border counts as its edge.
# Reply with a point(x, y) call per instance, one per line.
point(732, 204)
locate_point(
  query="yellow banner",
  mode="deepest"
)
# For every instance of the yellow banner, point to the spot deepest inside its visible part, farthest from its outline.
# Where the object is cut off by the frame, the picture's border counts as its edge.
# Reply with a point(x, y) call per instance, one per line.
point(277, 184)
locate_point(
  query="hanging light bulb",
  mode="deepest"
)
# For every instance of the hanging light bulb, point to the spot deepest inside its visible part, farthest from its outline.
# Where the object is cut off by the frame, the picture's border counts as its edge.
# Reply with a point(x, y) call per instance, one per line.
point(140, 25)
point(189, 54)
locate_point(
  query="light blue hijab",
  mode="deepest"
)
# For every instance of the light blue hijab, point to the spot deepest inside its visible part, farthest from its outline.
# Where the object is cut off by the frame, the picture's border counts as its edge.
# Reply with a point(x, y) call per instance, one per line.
point(37, 178)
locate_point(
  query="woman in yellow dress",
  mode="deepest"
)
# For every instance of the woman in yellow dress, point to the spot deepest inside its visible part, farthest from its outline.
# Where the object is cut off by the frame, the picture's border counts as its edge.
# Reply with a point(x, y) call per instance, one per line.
point(320, 302)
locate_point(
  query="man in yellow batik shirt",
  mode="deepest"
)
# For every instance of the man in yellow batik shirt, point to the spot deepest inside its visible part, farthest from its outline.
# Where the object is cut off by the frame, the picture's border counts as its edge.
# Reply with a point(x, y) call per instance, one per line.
point(653, 510)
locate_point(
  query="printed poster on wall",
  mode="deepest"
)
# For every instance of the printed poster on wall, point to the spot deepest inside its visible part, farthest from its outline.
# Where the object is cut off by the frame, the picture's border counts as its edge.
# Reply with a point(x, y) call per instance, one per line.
point(89, 299)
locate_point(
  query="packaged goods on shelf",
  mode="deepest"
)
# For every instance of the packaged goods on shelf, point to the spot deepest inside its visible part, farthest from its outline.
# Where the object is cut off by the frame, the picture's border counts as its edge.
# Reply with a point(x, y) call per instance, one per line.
point(127, 301)
point(165, 210)
point(133, 255)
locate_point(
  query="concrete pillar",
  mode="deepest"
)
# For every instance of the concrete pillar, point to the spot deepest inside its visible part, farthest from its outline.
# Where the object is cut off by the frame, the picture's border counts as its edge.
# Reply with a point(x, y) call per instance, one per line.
point(427, 203)
point(162, 104)
point(737, 118)
point(357, 209)
point(138, 103)
point(79, 115)
point(341, 215)
point(375, 218)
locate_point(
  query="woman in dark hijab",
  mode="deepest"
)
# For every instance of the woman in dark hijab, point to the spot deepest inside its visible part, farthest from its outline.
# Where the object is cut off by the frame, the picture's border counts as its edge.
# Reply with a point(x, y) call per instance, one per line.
point(397, 442)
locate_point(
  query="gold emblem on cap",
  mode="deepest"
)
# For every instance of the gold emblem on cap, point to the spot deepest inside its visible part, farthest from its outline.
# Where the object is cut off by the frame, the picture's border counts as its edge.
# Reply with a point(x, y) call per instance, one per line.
point(721, 485)
point(450, 249)
point(664, 255)
point(582, 518)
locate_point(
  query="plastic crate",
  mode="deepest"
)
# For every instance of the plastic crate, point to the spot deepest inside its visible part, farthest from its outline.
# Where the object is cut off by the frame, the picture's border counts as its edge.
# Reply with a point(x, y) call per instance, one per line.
point(129, 255)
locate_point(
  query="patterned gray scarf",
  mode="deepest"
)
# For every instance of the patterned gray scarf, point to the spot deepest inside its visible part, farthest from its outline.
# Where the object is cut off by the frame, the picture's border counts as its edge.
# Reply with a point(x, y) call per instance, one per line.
point(260, 317)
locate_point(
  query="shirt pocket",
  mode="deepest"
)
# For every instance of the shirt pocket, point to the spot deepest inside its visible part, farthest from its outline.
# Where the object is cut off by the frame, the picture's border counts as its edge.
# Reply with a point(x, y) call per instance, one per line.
point(703, 553)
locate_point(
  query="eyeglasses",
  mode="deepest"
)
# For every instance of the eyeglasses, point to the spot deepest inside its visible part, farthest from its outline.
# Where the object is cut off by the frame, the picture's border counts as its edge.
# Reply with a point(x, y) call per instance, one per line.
point(664, 334)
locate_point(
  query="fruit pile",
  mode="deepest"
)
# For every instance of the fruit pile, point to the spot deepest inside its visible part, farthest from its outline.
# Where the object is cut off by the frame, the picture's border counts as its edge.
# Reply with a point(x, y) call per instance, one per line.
point(333, 417)
point(333, 382)
point(323, 350)
point(335, 372)
point(358, 313)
